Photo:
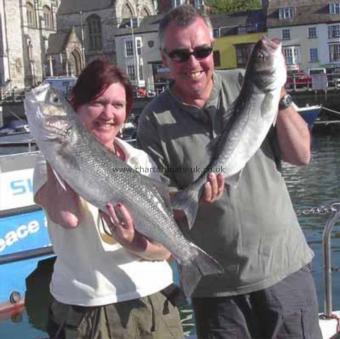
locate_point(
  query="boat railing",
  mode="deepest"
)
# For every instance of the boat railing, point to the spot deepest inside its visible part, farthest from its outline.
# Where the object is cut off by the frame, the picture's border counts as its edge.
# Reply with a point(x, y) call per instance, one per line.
point(326, 245)
point(25, 255)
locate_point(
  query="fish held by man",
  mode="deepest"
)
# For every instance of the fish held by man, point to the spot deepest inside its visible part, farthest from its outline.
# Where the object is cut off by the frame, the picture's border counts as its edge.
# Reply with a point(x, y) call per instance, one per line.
point(100, 177)
point(251, 116)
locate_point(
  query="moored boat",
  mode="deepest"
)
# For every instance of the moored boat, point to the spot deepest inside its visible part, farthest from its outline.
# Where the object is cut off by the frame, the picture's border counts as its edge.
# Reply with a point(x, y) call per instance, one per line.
point(24, 239)
point(309, 114)
point(23, 233)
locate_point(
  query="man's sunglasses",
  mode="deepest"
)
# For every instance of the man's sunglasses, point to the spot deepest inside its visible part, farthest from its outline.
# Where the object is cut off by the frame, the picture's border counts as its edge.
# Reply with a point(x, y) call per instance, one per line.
point(183, 55)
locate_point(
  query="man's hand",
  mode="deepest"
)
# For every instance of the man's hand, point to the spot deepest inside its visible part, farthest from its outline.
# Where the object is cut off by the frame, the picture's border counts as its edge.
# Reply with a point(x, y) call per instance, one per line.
point(213, 188)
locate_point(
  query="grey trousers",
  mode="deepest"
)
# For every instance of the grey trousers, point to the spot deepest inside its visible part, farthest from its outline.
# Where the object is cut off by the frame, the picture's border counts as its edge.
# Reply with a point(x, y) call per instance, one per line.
point(287, 310)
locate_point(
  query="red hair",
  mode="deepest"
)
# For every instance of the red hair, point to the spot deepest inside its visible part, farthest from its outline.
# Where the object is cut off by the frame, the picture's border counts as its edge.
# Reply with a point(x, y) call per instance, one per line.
point(95, 78)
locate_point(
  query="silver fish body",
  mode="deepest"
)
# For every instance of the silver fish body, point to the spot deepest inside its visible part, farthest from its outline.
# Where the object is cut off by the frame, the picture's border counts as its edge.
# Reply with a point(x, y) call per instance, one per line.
point(100, 177)
point(251, 116)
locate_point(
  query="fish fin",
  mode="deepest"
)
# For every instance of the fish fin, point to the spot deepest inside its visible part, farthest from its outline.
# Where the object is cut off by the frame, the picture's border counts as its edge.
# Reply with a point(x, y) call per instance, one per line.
point(192, 271)
point(210, 148)
point(267, 102)
point(233, 180)
point(187, 201)
point(60, 180)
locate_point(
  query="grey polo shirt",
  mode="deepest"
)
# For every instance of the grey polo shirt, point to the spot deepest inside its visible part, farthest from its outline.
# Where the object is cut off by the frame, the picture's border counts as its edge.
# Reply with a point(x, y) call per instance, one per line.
point(252, 230)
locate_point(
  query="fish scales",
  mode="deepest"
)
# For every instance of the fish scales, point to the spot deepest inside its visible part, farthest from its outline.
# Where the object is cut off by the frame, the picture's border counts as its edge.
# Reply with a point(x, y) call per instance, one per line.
point(100, 177)
point(251, 116)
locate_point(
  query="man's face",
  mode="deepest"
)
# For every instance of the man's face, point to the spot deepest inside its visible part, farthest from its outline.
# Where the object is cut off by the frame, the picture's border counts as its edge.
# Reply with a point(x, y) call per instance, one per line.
point(193, 77)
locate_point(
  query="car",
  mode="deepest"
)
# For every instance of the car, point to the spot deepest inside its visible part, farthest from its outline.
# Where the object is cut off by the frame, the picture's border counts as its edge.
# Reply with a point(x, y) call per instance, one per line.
point(299, 79)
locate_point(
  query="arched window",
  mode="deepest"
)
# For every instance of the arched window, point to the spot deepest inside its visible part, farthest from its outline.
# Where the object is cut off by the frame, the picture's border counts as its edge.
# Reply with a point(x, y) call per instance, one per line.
point(48, 17)
point(127, 11)
point(144, 13)
point(95, 32)
point(30, 15)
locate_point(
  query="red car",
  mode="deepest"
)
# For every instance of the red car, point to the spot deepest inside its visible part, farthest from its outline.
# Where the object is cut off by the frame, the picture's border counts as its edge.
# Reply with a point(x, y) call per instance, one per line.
point(299, 78)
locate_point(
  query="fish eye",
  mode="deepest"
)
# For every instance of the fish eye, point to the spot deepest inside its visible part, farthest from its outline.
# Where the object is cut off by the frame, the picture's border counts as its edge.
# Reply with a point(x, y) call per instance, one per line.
point(260, 55)
point(55, 99)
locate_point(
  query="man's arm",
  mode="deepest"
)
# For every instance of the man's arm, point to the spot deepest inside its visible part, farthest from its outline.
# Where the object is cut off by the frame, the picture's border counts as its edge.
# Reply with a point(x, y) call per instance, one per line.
point(293, 136)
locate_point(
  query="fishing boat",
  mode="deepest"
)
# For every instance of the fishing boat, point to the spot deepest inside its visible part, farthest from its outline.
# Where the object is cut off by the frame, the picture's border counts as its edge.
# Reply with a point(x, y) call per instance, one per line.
point(16, 138)
point(309, 114)
point(24, 241)
point(24, 238)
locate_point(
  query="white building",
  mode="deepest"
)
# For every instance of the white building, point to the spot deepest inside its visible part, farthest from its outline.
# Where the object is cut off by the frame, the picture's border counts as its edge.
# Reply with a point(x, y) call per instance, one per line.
point(309, 30)
point(138, 53)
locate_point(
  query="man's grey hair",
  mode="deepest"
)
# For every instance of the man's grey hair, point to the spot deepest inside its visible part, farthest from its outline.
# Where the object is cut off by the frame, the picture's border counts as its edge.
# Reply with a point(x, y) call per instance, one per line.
point(182, 16)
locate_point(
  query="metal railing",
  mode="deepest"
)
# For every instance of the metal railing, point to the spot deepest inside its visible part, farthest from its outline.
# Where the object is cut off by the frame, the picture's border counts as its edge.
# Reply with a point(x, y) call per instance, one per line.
point(25, 255)
point(326, 244)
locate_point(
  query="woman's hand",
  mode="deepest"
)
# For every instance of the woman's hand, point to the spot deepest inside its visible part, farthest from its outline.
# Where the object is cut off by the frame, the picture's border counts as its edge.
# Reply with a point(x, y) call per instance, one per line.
point(122, 228)
point(213, 188)
point(62, 205)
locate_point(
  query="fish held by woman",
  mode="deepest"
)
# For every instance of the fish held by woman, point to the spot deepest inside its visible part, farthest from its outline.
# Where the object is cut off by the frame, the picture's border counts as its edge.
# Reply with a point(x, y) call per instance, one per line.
point(100, 177)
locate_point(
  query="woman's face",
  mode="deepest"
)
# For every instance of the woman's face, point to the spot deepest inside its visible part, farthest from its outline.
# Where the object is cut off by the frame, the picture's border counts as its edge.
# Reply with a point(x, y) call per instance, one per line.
point(105, 116)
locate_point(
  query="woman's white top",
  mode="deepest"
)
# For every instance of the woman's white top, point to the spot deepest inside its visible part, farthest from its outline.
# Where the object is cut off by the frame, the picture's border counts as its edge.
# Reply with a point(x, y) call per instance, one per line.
point(92, 269)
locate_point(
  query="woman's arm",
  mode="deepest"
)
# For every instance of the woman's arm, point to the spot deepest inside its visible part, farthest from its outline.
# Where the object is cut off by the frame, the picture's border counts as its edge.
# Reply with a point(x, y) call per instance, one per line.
point(62, 206)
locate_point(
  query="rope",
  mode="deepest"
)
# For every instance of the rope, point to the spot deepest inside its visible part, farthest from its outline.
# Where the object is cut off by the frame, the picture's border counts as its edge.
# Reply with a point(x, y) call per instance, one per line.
point(331, 110)
point(334, 316)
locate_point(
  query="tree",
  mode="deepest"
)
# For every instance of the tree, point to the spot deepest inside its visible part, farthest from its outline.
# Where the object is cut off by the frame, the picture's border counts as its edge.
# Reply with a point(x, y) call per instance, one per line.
point(231, 6)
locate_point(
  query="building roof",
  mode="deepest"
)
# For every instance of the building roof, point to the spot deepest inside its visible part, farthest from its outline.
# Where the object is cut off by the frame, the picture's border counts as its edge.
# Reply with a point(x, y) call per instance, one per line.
point(243, 19)
point(253, 21)
point(57, 41)
point(75, 6)
point(306, 12)
point(238, 18)
point(147, 24)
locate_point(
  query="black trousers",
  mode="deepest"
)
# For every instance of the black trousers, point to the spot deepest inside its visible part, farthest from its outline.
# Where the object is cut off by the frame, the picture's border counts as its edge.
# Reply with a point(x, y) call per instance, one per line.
point(287, 310)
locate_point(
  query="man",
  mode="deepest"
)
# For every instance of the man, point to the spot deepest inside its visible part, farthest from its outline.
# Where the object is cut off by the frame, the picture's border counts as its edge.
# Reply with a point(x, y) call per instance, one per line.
point(267, 290)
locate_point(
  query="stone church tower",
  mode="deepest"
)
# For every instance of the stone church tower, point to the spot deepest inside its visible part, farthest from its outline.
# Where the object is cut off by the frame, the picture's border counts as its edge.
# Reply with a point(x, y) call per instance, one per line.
point(86, 30)
point(40, 38)
point(25, 26)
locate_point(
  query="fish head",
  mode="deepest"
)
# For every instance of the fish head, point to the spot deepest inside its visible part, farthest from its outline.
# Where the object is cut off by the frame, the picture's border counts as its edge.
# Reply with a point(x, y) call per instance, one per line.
point(266, 66)
point(47, 113)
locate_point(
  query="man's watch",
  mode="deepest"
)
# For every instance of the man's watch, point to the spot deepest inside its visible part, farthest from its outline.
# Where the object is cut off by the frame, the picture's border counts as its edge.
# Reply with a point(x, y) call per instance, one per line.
point(285, 101)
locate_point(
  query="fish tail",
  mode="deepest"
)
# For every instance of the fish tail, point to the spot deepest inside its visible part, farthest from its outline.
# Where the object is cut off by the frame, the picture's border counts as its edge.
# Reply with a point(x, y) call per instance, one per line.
point(193, 270)
point(187, 201)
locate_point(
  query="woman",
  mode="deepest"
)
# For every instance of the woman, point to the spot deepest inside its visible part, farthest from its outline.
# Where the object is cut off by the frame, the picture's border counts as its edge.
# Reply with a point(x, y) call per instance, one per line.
point(108, 280)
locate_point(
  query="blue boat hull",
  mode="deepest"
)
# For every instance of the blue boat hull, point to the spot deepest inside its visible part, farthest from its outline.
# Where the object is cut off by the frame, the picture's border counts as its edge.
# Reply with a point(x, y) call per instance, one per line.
point(19, 233)
point(310, 114)
point(24, 238)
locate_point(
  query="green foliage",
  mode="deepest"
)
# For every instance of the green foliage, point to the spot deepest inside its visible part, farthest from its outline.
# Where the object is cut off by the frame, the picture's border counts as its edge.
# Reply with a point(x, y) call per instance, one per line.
point(231, 6)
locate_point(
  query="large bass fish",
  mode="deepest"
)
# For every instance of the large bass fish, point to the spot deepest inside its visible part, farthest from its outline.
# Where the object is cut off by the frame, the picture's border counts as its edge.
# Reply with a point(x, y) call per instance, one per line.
point(100, 177)
point(252, 114)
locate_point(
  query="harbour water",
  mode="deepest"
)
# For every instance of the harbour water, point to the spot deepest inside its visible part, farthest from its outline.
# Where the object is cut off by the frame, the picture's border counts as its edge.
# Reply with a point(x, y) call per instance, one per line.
point(316, 185)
